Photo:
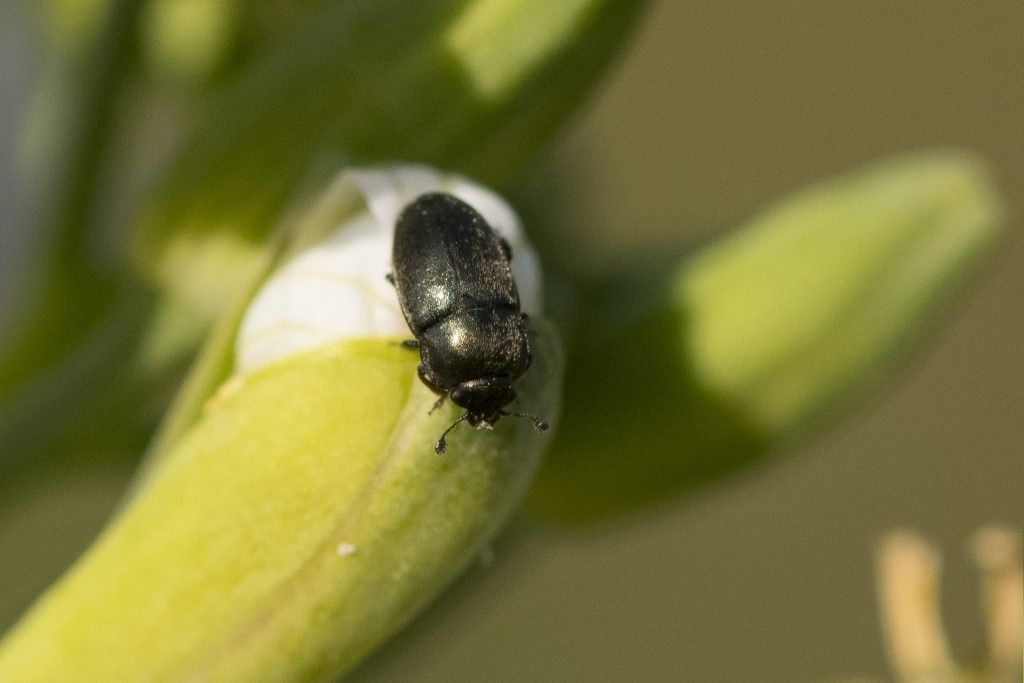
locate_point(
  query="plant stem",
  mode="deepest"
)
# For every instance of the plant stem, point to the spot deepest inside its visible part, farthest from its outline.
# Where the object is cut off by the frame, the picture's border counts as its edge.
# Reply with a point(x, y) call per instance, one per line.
point(73, 292)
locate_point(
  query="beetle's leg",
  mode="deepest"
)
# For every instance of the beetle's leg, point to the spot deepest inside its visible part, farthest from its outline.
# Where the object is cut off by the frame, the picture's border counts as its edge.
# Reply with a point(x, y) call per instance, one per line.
point(428, 380)
point(526, 318)
point(390, 277)
point(411, 344)
point(506, 247)
point(438, 403)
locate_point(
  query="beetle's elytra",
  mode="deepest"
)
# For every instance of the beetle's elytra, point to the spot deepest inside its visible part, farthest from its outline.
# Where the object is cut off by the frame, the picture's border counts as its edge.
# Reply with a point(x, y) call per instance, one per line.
point(454, 280)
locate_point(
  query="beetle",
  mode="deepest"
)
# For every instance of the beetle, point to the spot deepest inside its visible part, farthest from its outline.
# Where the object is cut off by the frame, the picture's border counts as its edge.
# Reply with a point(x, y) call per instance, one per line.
point(454, 281)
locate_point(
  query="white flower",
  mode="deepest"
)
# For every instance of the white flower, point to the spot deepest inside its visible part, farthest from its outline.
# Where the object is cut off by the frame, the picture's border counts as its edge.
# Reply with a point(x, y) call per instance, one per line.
point(336, 289)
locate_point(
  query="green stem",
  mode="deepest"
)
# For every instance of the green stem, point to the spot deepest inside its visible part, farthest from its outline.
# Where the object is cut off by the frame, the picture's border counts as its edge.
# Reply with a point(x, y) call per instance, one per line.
point(75, 293)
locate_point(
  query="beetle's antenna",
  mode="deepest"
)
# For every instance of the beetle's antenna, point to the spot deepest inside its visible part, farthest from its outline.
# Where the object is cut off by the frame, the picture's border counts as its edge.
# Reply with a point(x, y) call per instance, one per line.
point(441, 446)
point(538, 424)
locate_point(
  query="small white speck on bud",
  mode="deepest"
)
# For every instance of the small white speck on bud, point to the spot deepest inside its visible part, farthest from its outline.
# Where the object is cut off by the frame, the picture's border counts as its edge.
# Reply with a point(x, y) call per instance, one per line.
point(346, 549)
point(337, 289)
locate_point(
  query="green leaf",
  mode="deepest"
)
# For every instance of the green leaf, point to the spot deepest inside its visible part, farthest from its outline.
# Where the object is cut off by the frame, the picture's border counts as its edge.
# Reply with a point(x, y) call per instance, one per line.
point(757, 337)
point(300, 522)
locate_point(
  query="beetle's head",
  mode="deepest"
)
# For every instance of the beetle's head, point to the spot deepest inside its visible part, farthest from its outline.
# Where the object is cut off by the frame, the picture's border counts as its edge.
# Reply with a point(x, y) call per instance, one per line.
point(485, 401)
point(484, 398)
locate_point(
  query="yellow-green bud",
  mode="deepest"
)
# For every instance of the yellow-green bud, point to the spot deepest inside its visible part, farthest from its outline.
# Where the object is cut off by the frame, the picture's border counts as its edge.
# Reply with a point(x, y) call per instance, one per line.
point(759, 335)
point(300, 516)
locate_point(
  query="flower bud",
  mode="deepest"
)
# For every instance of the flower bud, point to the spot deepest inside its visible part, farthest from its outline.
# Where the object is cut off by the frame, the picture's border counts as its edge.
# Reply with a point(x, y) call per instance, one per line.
point(757, 337)
point(299, 517)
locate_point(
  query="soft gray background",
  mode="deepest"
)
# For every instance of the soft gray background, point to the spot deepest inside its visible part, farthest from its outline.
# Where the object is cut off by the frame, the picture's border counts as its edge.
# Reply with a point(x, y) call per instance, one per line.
point(16, 71)
point(718, 109)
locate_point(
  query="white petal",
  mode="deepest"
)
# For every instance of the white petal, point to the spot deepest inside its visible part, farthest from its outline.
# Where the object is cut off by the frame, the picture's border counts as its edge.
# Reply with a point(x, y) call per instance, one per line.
point(337, 290)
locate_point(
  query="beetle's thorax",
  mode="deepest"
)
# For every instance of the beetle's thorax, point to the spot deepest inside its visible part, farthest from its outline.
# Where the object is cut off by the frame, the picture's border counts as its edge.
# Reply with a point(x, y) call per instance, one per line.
point(484, 398)
point(476, 344)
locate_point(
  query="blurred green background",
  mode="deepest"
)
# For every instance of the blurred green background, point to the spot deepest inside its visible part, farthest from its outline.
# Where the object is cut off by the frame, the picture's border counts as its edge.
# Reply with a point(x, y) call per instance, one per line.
point(717, 110)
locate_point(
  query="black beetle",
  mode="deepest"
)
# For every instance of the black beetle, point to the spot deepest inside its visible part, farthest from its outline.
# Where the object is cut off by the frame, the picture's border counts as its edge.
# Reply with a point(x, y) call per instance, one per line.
point(454, 280)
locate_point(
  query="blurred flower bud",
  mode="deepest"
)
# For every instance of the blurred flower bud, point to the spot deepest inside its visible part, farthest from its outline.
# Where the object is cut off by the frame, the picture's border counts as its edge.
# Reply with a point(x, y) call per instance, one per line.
point(758, 336)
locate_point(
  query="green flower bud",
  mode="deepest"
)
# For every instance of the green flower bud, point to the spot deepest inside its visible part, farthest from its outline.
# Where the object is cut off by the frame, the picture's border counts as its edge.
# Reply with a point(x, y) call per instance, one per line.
point(300, 523)
point(758, 336)
point(297, 516)
point(331, 286)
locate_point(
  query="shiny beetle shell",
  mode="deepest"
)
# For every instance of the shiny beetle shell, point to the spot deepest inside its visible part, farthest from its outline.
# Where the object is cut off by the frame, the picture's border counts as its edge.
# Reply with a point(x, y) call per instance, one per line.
point(456, 290)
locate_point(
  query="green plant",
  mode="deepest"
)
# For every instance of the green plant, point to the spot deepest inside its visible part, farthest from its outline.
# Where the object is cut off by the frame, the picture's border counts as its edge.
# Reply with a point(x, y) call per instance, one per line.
point(287, 524)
